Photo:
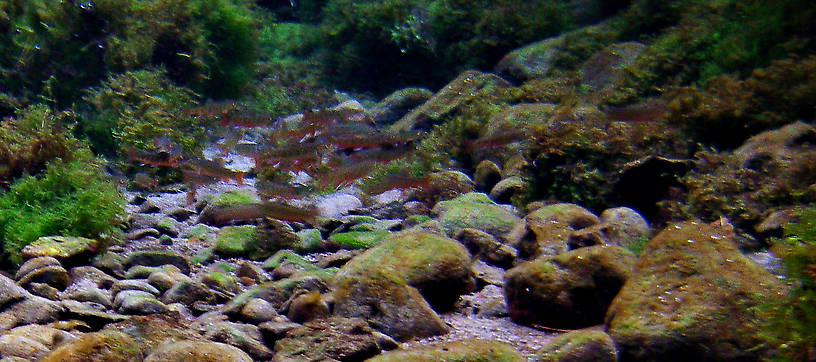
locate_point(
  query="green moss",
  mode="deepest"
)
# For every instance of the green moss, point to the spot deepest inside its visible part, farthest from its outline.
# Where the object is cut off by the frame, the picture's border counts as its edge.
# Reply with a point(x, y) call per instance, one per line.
point(235, 240)
point(359, 239)
point(232, 198)
point(70, 198)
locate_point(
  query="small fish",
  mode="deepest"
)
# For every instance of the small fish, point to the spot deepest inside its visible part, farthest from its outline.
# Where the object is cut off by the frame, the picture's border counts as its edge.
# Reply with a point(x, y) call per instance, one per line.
point(228, 144)
point(144, 181)
point(382, 155)
point(643, 112)
point(343, 172)
point(246, 119)
point(152, 159)
point(269, 189)
point(495, 140)
point(396, 181)
point(272, 209)
point(205, 167)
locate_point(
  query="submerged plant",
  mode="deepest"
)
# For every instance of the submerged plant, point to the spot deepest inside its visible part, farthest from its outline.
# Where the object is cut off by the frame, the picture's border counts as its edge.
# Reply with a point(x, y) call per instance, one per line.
point(791, 325)
point(70, 198)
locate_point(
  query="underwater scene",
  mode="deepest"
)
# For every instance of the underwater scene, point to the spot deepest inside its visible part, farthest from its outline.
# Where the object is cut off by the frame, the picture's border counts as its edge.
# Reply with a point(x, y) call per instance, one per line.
point(407, 180)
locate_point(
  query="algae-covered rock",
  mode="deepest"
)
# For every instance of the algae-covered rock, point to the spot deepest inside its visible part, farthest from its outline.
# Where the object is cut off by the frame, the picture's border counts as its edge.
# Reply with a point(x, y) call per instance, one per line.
point(546, 231)
point(579, 346)
point(199, 351)
point(358, 239)
point(447, 100)
point(335, 338)
point(44, 270)
point(384, 284)
point(278, 292)
point(244, 336)
point(310, 241)
point(107, 346)
point(530, 61)
point(398, 104)
point(624, 226)
point(486, 175)
point(690, 299)
point(475, 211)
point(571, 290)
point(67, 249)
point(234, 241)
point(152, 331)
point(157, 258)
point(507, 189)
point(471, 350)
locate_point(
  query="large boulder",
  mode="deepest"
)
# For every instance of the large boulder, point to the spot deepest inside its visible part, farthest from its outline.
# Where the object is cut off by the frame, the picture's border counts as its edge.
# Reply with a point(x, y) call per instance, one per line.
point(475, 211)
point(386, 284)
point(445, 102)
point(690, 298)
point(571, 290)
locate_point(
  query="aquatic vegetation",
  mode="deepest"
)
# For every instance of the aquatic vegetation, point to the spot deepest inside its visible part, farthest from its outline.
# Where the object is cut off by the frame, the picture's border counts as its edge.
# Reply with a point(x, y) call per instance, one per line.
point(132, 109)
point(389, 38)
point(69, 198)
point(791, 326)
point(724, 111)
point(58, 49)
point(32, 138)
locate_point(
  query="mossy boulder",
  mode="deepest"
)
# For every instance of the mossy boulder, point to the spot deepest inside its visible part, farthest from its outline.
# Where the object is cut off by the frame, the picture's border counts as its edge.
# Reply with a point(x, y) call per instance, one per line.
point(235, 241)
point(256, 243)
point(530, 61)
point(398, 104)
point(570, 290)
point(107, 345)
point(199, 351)
point(335, 338)
point(470, 350)
point(546, 231)
point(444, 185)
point(606, 67)
point(691, 297)
point(310, 240)
point(475, 211)
point(280, 291)
point(771, 170)
point(358, 239)
point(445, 102)
point(383, 285)
point(69, 250)
point(579, 346)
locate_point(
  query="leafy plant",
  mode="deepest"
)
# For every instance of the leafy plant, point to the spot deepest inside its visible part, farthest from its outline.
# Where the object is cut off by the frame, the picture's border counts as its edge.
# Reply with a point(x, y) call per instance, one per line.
point(70, 198)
